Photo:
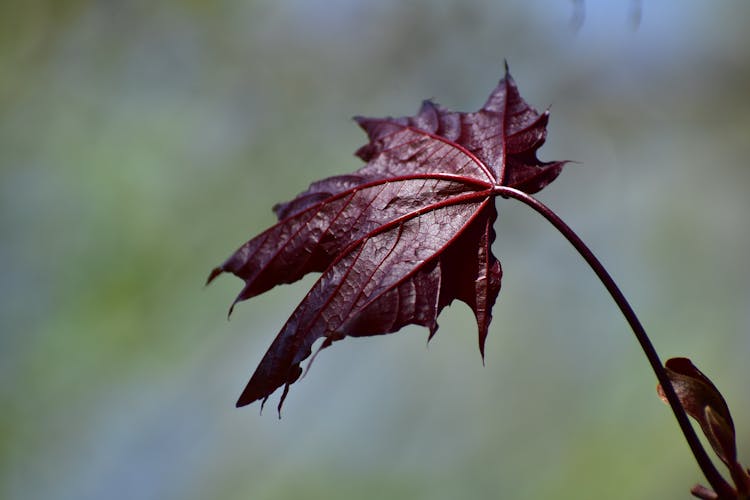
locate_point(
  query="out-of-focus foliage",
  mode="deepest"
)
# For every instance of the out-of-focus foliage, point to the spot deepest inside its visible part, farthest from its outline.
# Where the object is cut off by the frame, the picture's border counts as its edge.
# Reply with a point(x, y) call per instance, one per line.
point(139, 139)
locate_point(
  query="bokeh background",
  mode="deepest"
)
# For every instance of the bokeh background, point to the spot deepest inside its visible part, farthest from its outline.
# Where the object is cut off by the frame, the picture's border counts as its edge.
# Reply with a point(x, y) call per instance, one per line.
point(142, 142)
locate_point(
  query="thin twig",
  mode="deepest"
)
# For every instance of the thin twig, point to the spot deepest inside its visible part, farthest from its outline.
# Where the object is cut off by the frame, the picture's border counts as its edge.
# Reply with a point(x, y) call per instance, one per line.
point(722, 488)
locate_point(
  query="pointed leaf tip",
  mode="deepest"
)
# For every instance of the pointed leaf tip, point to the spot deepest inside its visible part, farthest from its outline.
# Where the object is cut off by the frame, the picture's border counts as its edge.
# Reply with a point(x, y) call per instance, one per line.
point(216, 271)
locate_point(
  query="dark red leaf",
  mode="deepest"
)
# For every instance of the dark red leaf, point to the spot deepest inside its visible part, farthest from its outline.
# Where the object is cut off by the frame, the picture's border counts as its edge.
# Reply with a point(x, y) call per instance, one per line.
point(400, 238)
point(702, 400)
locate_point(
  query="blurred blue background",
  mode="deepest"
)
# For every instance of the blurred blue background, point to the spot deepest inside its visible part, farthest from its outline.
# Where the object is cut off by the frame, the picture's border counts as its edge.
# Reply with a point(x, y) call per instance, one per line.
point(142, 142)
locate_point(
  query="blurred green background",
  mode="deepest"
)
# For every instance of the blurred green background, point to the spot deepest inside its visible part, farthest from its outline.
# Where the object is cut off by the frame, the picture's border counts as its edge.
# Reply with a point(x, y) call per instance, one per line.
point(142, 142)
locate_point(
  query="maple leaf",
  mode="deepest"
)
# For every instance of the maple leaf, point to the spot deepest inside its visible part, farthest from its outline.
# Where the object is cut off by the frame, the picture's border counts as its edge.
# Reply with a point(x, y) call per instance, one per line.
point(402, 237)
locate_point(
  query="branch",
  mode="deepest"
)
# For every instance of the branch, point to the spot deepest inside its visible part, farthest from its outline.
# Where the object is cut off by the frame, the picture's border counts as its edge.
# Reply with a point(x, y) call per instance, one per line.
point(713, 476)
